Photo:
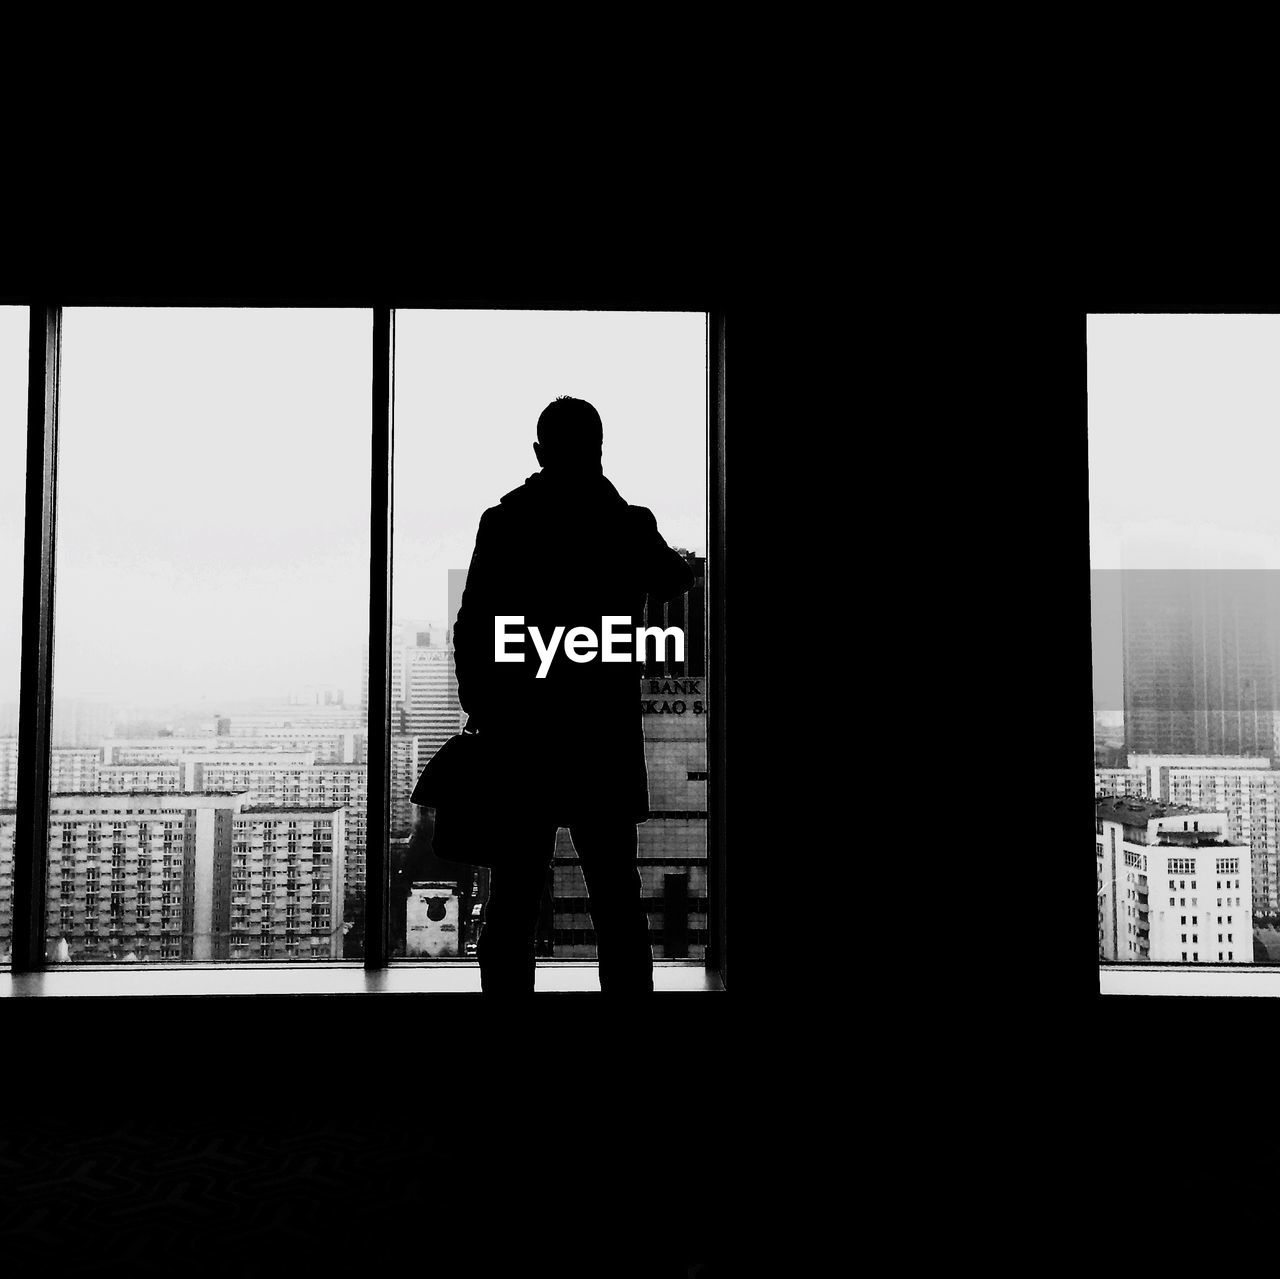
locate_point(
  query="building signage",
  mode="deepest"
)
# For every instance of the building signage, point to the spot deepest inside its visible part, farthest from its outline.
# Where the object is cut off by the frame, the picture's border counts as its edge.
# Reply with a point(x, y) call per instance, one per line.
point(673, 697)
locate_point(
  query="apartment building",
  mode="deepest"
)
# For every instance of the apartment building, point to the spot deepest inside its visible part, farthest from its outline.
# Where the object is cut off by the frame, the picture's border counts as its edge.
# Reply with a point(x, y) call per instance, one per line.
point(186, 877)
point(281, 895)
point(1172, 885)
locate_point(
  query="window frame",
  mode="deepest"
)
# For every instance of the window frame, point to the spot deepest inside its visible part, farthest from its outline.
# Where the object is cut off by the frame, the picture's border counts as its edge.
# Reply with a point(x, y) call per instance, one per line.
point(30, 851)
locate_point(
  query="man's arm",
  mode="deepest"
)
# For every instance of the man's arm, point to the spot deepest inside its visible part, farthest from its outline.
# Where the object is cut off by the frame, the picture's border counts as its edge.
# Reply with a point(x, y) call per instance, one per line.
point(664, 573)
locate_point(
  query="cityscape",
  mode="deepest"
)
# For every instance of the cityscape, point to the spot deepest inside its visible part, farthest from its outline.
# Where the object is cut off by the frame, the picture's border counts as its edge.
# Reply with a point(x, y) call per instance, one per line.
point(1187, 765)
point(181, 835)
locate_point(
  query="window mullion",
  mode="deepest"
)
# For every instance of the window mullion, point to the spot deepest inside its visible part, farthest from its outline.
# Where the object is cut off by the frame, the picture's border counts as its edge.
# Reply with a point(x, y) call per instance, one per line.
point(378, 826)
point(31, 837)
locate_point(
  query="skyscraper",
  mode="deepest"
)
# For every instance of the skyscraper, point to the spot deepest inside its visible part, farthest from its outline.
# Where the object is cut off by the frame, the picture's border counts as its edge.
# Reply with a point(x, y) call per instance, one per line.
point(672, 844)
point(186, 877)
point(1198, 668)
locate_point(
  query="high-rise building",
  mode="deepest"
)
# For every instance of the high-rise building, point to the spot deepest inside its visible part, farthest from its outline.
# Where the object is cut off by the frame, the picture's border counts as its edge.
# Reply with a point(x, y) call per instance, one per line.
point(424, 689)
point(116, 778)
point(306, 786)
point(1157, 770)
point(8, 770)
point(271, 743)
point(672, 844)
point(71, 768)
point(1244, 788)
point(1250, 798)
point(131, 876)
point(186, 877)
point(282, 895)
point(1198, 670)
point(425, 711)
point(1172, 885)
point(407, 762)
point(432, 712)
point(1119, 781)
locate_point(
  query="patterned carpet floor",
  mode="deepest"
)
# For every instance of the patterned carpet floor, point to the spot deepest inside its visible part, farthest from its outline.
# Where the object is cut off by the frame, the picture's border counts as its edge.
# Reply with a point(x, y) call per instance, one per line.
point(208, 1196)
point(237, 1139)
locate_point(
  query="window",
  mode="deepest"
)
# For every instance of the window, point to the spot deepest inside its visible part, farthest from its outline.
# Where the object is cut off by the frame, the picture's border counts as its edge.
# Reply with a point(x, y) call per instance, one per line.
point(1173, 594)
point(645, 373)
point(143, 390)
point(213, 463)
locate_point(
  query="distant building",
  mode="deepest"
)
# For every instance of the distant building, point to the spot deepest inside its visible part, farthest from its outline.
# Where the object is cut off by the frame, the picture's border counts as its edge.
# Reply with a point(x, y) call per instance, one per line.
point(117, 778)
point(432, 712)
point(316, 695)
point(185, 878)
point(70, 768)
point(407, 762)
point(1119, 781)
point(1157, 769)
point(130, 875)
point(302, 722)
point(76, 721)
point(672, 844)
point(1198, 673)
point(1251, 800)
point(305, 786)
point(1246, 789)
point(283, 895)
point(1172, 885)
point(424, 688)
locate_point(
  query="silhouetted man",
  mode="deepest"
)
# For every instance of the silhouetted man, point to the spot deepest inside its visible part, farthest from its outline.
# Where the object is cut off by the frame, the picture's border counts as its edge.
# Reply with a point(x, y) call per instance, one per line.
point(564, 550)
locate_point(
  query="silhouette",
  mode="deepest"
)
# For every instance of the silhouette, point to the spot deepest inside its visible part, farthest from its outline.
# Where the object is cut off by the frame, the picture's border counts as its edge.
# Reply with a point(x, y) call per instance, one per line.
point(564, 549)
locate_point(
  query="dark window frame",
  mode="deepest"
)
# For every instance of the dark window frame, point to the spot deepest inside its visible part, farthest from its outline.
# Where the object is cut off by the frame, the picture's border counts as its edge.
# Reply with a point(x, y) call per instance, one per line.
point(30, 851)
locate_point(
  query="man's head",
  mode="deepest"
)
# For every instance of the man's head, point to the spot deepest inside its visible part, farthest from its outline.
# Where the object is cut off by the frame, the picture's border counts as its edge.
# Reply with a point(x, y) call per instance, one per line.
point(570, 436)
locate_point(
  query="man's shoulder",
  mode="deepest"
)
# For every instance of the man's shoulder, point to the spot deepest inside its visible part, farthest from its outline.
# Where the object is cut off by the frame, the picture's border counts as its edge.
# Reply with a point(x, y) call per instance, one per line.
point(520, 503)
point(498, 515)
point(640, 514)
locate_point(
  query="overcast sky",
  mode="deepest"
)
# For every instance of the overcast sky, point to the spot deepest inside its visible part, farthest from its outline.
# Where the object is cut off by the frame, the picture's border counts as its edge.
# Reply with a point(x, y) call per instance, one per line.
point(1184, 454)
point(13, 432)
point(469, 388)
point(214, 476)
point(1184, 441)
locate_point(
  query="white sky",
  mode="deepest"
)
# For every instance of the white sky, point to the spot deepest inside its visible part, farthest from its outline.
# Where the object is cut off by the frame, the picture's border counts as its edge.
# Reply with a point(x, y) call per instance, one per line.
point(1184, 455)
point(214, 477)
point(13, 434)
point(469, 389)
point(1184, 441)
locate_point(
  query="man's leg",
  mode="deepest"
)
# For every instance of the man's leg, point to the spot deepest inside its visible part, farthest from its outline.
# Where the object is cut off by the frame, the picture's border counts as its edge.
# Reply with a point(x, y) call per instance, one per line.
point(505, 948)
point(606, 849)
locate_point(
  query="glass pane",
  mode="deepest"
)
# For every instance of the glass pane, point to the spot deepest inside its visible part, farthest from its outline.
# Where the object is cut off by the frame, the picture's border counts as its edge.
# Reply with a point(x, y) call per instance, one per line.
point(14, 329)
point(1185, 552)
point(208, 774)
point(470, 387)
